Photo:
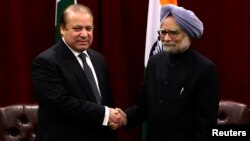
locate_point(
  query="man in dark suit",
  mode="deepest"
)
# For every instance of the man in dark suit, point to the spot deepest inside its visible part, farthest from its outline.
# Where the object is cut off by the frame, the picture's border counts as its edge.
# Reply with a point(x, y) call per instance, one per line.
point(71, 107)
point(180, 94)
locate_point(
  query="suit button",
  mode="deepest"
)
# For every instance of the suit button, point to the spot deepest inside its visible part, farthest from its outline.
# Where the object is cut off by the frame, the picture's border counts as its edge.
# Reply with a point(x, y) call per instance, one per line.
point(160, 102)
point(166, 83)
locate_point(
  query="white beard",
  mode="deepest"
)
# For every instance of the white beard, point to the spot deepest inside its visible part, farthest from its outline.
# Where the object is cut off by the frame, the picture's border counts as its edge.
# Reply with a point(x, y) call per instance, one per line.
point(178, 47)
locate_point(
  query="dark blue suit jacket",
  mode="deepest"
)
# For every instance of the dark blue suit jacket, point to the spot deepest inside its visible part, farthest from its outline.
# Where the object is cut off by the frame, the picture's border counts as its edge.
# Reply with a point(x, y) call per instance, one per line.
point(68, 110)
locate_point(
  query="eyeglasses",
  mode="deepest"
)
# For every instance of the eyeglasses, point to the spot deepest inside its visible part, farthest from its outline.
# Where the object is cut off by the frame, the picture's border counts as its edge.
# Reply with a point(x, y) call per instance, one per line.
point(172, 33)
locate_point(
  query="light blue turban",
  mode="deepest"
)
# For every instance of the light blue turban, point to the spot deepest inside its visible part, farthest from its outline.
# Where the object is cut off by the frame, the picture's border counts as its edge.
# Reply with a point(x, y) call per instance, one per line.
point(188, 21)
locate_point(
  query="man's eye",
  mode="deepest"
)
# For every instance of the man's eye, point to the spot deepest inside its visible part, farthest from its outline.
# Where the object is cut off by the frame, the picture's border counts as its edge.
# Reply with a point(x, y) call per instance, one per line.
point(89, 28)
point(163, 32)
point(77, 29)
point(173, 32)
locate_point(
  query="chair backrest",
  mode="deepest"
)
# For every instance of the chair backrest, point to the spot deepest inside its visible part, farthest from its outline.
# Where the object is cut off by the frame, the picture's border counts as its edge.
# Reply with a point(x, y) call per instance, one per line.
point(232, 112)
point(18, 122)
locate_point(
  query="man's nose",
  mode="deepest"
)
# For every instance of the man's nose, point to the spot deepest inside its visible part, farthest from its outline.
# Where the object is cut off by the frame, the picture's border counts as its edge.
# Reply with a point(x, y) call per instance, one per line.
point(167, 37)
point(83, 33)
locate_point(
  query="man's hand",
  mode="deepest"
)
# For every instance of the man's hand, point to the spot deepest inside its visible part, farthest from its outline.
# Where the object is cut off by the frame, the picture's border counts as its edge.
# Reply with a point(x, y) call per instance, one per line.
point(117, 118)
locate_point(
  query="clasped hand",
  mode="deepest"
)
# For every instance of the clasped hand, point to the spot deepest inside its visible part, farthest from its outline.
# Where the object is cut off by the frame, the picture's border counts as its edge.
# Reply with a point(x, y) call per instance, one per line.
point(117, 118)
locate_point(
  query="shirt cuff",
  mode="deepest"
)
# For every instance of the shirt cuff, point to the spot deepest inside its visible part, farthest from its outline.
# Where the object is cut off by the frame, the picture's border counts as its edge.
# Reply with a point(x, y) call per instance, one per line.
point(106, 117)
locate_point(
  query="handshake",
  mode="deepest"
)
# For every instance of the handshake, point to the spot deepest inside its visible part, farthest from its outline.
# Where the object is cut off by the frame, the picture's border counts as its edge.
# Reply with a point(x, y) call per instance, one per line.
point(117, 118)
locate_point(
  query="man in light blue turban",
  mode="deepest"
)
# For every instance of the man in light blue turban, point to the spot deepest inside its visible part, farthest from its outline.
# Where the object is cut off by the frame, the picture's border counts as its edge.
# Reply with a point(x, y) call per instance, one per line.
point(188, 21)
point(180, 94)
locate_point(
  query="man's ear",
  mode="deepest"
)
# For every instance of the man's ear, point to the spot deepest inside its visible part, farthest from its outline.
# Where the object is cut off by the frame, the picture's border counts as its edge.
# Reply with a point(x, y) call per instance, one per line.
point(62, 29)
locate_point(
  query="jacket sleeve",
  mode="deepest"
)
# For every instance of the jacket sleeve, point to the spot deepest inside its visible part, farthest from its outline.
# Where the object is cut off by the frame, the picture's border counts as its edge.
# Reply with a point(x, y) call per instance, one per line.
point(207, 103)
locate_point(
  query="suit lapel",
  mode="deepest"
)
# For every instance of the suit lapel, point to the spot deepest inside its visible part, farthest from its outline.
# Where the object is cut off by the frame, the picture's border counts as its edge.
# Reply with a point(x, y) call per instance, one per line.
point(71, 62)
